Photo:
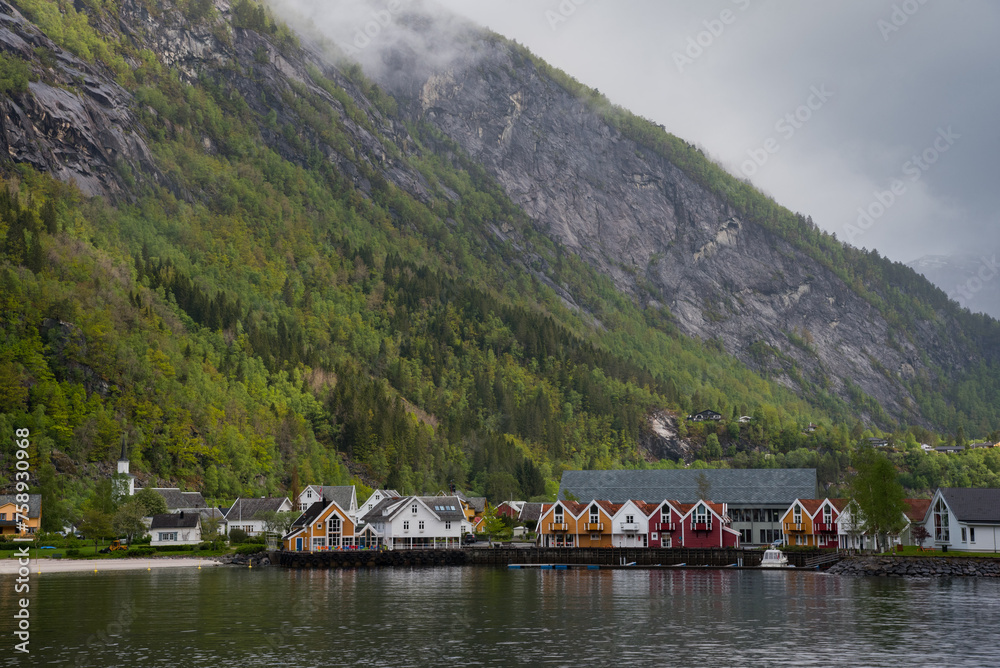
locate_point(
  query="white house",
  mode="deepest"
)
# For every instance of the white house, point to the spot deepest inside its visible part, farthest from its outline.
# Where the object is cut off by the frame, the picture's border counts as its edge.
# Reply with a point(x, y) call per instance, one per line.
point(377, 497)
point(964, 519)
point(630, 525)
point(345, 495)
point(175, 529)
point(245, 513)
point(418, 522)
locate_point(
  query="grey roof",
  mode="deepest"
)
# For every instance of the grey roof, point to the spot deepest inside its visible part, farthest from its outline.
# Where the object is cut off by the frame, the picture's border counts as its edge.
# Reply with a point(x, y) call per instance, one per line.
point(175, 521)
point(436, 503)
point(530, 512)
point(175, 498)
point(34, 502)
point(247, 509)
point(344, 495)
point(732, 486)
point(973, 505)
point(380, 507)
point(477, 503)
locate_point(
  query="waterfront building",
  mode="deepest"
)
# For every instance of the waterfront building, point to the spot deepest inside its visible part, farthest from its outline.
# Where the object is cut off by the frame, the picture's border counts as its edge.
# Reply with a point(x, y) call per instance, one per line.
point(813, 522)
point(706, 524)
point(325, 525)
point(964, 519)
point(376, 498)
point(419, 522)
point(665, 524)
point(346, 496)
point(756, 499)
point(8, 515)
point(246, 514)
point(574, 524)
point(630, 525)
point(183, 528)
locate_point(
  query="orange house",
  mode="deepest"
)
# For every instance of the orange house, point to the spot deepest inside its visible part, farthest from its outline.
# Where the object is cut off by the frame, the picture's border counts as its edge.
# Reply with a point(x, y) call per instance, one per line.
point(575, 524)
point(812, 522)
point(32, 520)
point(323, 526)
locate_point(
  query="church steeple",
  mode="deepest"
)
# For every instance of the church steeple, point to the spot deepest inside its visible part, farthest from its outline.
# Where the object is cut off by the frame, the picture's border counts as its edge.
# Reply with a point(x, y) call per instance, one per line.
point(123, 466)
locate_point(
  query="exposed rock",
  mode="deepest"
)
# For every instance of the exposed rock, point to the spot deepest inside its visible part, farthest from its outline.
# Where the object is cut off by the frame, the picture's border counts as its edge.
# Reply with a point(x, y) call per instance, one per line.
point(917, 567)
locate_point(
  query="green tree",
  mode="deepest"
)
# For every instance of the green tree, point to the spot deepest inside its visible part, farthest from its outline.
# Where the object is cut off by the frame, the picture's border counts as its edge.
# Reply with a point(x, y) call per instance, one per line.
point(491, 522)
point(152, 503)
point(127, 520)
point(878, 493)
point(96, 525)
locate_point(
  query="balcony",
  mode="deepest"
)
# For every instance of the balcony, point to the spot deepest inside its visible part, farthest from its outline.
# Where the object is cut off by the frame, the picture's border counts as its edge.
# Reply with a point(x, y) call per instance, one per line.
point(825, 527)
point(792, 527)
point(630, 527)
point(558, 526)
point(594, 526)
point(664, 526)
point(701, 526)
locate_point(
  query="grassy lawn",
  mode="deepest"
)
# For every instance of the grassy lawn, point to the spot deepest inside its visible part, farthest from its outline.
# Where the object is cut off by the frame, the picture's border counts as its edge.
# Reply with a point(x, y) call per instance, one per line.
point(914, 551)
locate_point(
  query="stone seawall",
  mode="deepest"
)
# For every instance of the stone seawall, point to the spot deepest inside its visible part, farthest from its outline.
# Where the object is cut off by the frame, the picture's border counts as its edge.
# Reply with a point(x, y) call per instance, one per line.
point(918, 567)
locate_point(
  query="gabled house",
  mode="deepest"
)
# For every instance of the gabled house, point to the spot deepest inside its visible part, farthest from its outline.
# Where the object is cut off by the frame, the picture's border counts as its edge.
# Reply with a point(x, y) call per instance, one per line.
point(630, 525)
point(325, 525)
point(704, 416)
point(9, 515)
point(964, 519)
point(530, 512)
point(177, 500)
point(915, 511)
point(246, 514)
point(813, 522)
point(574, 524)
point(665, 524)
point(377, 497)
point(511, 509)
point(183, 528)
point(419, 522)
point(706, 524)
point(345, 495)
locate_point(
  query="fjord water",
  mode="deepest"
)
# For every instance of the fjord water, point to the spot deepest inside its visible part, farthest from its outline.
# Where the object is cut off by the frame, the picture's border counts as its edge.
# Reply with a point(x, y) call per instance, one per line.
point(480, 616)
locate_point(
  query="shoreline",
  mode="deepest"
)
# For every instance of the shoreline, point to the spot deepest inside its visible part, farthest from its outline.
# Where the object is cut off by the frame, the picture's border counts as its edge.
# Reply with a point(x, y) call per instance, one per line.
point(43, 566)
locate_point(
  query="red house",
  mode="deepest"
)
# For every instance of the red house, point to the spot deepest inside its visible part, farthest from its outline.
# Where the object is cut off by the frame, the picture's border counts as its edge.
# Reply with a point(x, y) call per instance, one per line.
point(665, 524)
point(511, 509)
point(706, 524)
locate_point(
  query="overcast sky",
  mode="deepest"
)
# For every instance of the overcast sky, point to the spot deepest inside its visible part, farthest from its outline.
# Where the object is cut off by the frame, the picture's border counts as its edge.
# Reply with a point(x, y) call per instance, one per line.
point(886, 81)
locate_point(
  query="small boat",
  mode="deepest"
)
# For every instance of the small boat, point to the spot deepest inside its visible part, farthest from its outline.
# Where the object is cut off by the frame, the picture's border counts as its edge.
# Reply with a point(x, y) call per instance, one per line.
point(774, 559)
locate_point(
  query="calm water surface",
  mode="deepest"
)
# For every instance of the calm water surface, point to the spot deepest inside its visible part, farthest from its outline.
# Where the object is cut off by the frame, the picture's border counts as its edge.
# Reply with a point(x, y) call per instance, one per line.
point(480, 616)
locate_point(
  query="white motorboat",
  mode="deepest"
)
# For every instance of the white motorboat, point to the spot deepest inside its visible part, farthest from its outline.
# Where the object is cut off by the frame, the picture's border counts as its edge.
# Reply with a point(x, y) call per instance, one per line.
point(774, 559)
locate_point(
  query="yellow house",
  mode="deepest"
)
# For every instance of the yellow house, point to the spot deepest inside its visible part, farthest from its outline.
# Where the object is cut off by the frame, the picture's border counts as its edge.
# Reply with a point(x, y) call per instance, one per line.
point(323, 526)
point(812, 522)
point(574, 524)
point(30, 522)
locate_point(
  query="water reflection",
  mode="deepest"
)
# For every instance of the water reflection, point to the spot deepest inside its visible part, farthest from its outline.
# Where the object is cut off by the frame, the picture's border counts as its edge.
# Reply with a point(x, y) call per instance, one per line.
point(477, 616)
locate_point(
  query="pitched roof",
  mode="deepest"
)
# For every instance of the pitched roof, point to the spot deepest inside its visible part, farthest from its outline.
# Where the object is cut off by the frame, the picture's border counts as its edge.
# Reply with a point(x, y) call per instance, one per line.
point(34, 503)
point(973, 505)
point(916, 509)
point(448, 508)
point(530, 512)
point(248, 509)
point(477, 503)
point(175, 498)
point(732, 486)
point(379, 508)
point(179, 520)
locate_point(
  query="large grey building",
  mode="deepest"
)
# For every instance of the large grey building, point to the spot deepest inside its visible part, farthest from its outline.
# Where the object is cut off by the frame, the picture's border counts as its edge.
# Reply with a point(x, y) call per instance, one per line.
point(757, 498)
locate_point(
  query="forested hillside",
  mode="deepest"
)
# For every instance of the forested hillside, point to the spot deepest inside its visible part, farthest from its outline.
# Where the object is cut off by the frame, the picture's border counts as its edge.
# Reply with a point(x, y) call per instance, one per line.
point(245, 263)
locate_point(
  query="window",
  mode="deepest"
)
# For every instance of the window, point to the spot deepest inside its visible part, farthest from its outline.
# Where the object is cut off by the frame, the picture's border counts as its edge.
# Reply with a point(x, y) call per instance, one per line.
point(630, 519)
point(413, 509)
point(420, 525)
point(763, 536)
point(3, 516)
point(972, 534)
point(594, 516)
point(406, 526)
point(168, 536)
point(941, 532)
point(653, 536)
point(827, 515)
point(797, 514)
point(595, 537)
point(665, 515)
point(309, 494)
point(558, 516)
point(447, 526)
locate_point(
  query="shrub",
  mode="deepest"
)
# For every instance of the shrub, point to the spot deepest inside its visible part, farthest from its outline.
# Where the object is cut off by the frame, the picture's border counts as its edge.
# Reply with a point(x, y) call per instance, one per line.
point(173, 548)
point(73, 552)
point(14, 75)
point(237, 536)
point(141, 552)
point(251, 548)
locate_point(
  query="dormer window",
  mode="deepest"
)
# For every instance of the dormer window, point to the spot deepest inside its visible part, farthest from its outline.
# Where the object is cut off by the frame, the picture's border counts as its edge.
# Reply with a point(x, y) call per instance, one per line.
point(701, 514)
point(797, 514)
point(559, 514)
point(594, 515)
point(827, 515)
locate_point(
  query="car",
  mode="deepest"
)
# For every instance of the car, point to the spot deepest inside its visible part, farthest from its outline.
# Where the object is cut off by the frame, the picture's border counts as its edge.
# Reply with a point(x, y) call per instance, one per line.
point(469, 539)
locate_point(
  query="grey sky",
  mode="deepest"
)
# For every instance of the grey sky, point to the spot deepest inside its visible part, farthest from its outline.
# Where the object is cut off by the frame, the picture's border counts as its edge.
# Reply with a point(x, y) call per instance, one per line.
point(926, 78)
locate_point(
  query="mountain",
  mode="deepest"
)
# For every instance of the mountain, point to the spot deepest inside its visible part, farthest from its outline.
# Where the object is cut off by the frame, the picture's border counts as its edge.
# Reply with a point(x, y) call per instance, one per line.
point(226, 247)
point(968, 279)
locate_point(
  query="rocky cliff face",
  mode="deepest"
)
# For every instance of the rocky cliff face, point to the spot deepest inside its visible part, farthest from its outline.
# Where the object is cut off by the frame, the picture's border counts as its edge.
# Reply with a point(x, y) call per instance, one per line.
point(659, 235)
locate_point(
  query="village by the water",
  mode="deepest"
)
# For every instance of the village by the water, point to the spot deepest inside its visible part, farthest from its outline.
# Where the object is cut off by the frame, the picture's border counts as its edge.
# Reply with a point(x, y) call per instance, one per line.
point(676, 518)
